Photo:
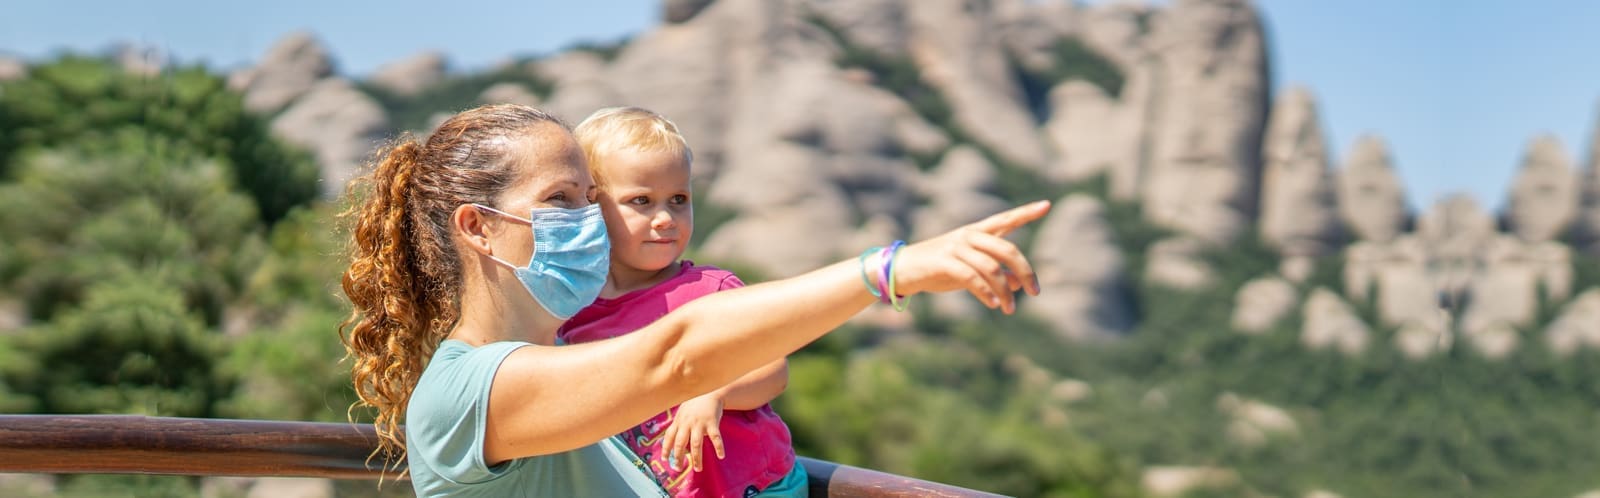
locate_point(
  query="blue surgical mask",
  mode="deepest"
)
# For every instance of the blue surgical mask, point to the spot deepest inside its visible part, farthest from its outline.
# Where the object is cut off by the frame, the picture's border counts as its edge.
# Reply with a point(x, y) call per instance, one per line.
point(571, 255)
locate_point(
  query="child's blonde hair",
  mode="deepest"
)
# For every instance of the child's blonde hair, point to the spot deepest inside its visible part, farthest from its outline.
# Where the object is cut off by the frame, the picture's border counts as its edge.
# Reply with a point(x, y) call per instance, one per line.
point(616, 129)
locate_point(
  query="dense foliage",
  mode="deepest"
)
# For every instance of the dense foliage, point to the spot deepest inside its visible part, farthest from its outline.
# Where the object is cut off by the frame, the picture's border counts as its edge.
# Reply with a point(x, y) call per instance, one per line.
point(153, 247)
point(77, 98)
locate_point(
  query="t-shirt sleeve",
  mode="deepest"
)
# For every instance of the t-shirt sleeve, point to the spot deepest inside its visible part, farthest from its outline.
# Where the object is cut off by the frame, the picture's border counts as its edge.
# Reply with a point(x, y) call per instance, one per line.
point(729, 281)
point(448, 415)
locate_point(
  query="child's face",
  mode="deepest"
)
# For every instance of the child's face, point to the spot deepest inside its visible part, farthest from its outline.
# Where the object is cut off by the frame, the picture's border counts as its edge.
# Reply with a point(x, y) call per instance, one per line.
point(647, 209)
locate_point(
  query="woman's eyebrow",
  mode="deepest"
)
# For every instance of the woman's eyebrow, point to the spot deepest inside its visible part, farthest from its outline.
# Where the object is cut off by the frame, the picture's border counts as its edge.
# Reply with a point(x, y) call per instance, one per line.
point(562, 184)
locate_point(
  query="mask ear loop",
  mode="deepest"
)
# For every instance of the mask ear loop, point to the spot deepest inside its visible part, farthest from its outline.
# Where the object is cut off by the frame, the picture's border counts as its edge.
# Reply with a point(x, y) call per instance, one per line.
point(524, 221)
point(508, 215)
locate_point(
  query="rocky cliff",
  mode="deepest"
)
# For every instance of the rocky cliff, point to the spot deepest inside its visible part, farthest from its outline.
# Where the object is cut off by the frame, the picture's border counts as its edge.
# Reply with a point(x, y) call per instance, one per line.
point(824, 126)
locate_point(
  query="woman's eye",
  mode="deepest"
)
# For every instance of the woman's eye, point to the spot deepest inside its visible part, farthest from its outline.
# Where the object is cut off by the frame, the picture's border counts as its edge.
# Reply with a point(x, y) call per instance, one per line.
point(558, 196)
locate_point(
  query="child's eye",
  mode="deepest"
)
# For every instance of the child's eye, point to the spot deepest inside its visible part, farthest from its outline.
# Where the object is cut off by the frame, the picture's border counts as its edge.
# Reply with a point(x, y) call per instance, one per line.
point(680, 199)
point(639, 201)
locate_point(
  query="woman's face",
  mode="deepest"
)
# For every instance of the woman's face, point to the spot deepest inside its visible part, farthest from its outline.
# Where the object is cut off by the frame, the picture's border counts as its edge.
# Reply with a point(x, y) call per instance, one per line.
point(550, 172)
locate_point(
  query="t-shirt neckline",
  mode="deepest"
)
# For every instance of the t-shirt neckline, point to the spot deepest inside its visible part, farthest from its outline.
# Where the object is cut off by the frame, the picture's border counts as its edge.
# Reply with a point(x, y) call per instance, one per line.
point(684, 267)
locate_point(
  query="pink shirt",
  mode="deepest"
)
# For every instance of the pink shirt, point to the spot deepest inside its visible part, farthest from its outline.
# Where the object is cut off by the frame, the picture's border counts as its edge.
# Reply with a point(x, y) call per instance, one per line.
point(756, 442)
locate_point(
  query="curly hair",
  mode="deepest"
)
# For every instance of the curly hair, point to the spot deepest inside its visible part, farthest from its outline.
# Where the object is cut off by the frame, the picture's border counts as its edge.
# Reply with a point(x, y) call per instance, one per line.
point(405, 277)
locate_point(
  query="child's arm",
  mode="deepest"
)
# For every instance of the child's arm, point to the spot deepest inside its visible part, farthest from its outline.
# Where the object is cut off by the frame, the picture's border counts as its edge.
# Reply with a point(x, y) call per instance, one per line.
point(755, 389)
point(700, 418)
point(760, 386)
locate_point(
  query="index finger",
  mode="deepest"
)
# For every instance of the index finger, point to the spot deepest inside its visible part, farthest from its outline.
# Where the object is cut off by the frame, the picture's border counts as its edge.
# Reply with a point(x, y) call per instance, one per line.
point(1004, 222)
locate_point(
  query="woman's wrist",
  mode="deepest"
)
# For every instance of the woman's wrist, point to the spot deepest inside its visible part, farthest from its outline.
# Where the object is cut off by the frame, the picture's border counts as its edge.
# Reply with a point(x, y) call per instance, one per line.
point(880, 275)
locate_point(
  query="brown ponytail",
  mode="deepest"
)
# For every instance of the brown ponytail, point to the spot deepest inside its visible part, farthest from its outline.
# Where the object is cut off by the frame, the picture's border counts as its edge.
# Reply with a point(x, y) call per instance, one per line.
point(404, 277)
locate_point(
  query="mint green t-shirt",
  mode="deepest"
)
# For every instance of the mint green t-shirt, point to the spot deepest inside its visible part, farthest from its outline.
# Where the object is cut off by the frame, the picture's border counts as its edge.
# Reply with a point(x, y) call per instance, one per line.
point(445, 437)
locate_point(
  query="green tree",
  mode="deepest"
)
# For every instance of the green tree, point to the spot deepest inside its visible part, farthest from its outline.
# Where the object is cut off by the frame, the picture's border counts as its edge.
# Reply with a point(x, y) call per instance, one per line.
point(128, 203)
point(77, 98)
point(289, 364)
point(131, 347)
point(936, 409)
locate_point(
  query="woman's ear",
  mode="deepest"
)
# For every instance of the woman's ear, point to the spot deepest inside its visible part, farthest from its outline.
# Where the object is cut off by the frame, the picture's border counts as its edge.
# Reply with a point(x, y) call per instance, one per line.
point(468, 223)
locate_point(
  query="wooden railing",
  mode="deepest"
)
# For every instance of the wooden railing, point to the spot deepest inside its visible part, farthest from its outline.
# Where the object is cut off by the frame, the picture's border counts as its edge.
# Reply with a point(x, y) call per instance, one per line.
point(131, 444)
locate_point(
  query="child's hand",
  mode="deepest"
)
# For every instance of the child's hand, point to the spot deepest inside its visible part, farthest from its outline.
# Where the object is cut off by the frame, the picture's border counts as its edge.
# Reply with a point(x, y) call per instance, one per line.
point(696, 420)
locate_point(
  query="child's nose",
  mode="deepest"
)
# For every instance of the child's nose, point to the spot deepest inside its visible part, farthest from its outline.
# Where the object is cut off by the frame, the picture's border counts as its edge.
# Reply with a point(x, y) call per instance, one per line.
point(663, 220)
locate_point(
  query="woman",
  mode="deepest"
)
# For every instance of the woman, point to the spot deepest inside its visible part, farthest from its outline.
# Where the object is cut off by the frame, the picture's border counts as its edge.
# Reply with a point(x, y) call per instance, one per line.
point(457, 298)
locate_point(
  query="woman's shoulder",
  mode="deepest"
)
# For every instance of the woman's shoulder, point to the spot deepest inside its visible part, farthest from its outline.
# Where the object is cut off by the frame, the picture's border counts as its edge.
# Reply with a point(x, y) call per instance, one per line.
point(454, 354)
point(457, 373)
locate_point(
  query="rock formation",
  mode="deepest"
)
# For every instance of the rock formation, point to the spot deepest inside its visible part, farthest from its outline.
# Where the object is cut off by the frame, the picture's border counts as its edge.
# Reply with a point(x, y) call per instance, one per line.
point(1330, 324)
point(290, 69)
point(678, 11)
point(12, 68)
point(1254, 422)
point(139, 59)
point(1206, 152)
point(1261, 303)
point(959, 190)
point(958, 51)
point(1080, 273)
point(1176, 262)
point(1299, 216)
point(1371, 200)
point(509, 93)
point(1586, 226)
point(1578, 325)
point(339, 125)
point(410, 76)
point(819, 157)
point(1173, 480)
point(1544, 195)
point(1094, 133)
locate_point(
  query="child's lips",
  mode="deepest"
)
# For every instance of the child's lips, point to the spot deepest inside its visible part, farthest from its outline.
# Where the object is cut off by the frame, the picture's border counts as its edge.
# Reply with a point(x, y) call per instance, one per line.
point(661, 241)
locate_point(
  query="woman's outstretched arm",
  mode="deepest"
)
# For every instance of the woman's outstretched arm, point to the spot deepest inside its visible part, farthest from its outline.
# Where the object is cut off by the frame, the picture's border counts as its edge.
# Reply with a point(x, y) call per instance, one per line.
point(551, 399)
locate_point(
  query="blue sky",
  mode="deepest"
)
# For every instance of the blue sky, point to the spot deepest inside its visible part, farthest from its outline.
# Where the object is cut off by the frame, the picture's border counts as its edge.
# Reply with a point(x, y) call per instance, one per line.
point(1456, 87)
